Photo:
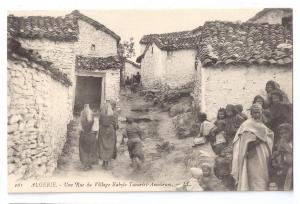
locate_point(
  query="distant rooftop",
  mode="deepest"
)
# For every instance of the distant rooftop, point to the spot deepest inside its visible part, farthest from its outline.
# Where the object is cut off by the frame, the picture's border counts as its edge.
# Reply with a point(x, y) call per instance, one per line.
point(263, 12)
point(221, 42)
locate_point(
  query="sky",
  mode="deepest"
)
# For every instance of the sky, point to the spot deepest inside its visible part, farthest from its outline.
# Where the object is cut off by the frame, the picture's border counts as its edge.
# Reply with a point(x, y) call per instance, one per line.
point(136, 23)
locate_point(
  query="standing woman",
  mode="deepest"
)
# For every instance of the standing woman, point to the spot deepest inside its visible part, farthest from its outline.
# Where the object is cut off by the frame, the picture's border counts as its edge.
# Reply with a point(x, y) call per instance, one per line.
point(252, 148)
point(107, 138)
point(88, 149)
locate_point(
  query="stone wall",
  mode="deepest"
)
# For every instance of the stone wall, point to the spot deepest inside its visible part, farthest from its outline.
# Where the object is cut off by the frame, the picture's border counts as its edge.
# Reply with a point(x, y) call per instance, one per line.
point(112, 85)
point(105, 44)
point(219, 86)
point(38, 114)
point(61, 54)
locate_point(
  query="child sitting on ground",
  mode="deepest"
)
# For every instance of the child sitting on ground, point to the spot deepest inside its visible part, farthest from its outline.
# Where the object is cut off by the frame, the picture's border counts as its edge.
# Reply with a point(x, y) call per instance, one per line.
point(134, 144)
point(205, 130)
point(209, 181)
point(195, 182)
point(217, 138)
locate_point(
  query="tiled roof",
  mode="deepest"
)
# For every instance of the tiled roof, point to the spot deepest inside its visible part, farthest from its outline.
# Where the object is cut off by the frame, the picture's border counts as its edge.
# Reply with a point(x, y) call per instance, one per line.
point(35, 27)
point(246, 43)
point(266, 10)
point(52, 28)
point(133, 63)
point(98, 63)
point(173, 41)
point(15, 51)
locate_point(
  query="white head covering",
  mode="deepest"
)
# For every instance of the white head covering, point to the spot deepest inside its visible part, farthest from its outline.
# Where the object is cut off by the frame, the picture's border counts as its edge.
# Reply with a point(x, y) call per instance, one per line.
point(196, 172)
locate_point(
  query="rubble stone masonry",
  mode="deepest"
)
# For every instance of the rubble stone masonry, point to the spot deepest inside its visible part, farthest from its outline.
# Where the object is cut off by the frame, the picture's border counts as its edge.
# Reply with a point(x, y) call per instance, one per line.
point(105, 44)
point(112, 85)
point(38, 114)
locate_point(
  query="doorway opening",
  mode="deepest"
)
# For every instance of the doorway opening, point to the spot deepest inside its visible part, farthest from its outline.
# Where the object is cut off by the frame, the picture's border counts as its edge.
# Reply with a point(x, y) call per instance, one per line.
point(88, 91)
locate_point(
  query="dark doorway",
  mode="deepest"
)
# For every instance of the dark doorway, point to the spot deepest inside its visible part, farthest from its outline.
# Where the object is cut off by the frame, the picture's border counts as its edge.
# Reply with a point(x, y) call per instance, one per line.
point(88, 91)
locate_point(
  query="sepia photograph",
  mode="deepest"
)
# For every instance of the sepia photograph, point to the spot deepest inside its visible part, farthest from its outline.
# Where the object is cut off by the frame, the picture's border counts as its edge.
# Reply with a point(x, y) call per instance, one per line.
point(185, 100)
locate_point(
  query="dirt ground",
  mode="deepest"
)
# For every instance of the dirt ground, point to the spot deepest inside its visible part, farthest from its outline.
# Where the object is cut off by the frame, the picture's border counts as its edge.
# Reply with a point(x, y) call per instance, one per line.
point(160, 167)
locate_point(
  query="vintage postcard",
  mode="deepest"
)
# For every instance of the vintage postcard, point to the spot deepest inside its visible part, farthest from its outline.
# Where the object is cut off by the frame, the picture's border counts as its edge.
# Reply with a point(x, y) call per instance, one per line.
point(150, 100)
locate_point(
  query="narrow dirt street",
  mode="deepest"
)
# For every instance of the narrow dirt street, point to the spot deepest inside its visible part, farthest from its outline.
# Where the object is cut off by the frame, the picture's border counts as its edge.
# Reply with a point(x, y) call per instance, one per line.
point(162, 165)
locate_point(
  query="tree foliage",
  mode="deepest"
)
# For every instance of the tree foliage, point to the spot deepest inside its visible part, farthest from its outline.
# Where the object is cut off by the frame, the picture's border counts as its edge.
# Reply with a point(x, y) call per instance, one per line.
point(126, 48)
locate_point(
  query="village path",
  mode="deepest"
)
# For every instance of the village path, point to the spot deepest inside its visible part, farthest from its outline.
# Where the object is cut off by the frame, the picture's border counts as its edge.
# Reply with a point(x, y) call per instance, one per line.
point(163, 169)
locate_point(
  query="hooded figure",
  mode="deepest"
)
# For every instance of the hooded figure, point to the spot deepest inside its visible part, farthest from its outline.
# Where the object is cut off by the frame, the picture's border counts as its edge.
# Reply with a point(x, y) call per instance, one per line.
point(107, 138)
point(252, 148)
point(280, 112)
point(274, 86)
point(232, 122)
point(266, 112)
point(88, 149)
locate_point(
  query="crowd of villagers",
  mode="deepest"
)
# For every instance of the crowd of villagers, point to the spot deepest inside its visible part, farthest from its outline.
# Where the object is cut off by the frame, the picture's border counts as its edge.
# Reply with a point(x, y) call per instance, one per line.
point(261, 145)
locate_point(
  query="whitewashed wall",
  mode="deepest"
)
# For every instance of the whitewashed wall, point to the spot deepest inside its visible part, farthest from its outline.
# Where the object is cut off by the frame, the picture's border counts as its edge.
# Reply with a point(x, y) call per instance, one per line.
point(105, 44)
point(172, 68)
point(38, 114)
point(179, 67)
point(272, 17)
point(130, 70)
point(152, 67)
point(237, 85)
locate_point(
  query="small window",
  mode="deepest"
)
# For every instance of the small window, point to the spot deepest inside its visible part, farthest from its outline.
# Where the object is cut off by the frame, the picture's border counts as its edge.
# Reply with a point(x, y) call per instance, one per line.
point(152, 49)
point(93, 47)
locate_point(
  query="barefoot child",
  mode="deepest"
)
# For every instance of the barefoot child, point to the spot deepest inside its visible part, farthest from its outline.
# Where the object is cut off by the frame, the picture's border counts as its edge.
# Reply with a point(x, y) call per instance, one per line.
point(134, 143)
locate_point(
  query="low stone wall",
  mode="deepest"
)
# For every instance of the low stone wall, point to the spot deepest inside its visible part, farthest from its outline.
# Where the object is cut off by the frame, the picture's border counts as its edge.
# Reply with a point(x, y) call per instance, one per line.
point(39, 109)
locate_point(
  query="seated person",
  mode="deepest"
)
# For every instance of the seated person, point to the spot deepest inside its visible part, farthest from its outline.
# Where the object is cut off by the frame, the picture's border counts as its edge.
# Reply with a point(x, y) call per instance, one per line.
point(205, 129)
point(194, 184)
point(217, 137)
point(209, 181)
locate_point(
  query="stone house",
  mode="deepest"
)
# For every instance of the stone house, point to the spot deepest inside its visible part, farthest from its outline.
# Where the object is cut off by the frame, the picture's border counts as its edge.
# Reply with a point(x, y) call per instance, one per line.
point(236, 60)
point(61, 40)
point(224, 62)
point(130, 68)
point(271, 15)
point(54, 63)
point(169, 59)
